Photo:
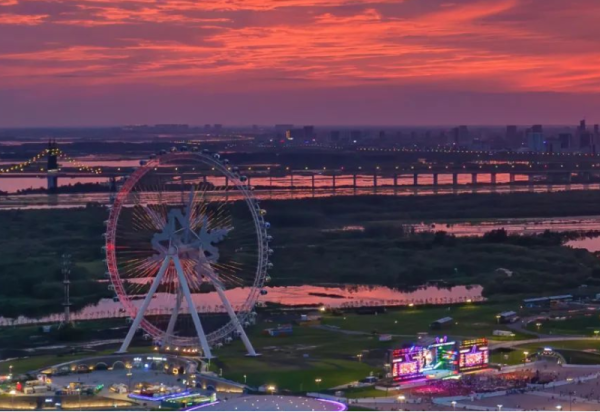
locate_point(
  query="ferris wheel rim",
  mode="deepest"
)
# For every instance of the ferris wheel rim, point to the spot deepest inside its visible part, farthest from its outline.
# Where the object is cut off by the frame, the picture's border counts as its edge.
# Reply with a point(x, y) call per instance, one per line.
point(246, 308)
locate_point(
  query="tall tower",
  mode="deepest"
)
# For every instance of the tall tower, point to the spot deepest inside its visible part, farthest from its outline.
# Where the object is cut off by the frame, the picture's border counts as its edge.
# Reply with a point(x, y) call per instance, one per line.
point(66, 271)
point(52, 168)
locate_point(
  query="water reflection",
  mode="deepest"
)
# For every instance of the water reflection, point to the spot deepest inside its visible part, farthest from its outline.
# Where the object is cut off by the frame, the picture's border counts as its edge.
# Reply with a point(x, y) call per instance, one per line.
point(333, 297)
point(591, 244)
point(43, 201)
point(14, 185)
point(525, 226)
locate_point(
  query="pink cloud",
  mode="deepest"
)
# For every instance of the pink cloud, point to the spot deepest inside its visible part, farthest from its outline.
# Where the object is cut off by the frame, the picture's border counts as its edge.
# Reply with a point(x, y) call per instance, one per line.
point(478, 46)
point(22, 20)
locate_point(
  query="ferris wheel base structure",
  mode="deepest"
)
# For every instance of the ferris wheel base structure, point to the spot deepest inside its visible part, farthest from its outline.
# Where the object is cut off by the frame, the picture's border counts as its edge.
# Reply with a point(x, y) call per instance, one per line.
point(173, 256)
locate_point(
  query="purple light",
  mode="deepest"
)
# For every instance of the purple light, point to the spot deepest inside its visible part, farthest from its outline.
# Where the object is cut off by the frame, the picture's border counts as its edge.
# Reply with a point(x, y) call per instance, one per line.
point(160, 398)
point(194, 408)
point(340, 405)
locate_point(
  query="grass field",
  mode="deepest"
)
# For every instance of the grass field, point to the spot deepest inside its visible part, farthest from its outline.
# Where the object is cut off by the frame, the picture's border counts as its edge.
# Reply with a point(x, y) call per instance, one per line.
point(471, 320)
point(576, 325)
point(38, 362)
point(310, 354)
point(21, 337)
point(580, 358)
point(571, 350)
point(365, 392)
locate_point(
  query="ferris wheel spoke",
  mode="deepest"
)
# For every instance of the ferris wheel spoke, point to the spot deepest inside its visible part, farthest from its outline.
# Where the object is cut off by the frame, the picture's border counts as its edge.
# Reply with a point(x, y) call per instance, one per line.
point(158, 220)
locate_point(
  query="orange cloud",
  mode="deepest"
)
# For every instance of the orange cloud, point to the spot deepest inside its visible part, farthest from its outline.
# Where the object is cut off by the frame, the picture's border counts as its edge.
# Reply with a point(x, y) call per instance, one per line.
point(22, 20)
point(491, 45)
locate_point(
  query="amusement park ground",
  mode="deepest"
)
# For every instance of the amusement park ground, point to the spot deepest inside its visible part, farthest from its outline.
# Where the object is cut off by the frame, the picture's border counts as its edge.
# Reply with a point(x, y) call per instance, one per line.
point(314, 359)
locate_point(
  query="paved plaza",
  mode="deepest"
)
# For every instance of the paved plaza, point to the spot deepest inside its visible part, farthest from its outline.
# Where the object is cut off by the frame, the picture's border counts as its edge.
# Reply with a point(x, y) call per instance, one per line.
point(119, 376)
point(274, 403)
point(574, 394)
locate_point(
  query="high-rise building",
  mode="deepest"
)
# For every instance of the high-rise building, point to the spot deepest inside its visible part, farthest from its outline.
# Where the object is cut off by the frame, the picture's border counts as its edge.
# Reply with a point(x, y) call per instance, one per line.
point(309, 132)
point(460, 136)
point(535, 138)
point(355, 136)
point(513, 140)
point(585, 138)
point(565, 141)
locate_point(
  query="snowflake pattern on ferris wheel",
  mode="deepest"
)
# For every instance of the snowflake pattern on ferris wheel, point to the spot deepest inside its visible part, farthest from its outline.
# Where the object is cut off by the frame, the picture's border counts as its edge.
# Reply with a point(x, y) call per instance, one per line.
point(187, 251)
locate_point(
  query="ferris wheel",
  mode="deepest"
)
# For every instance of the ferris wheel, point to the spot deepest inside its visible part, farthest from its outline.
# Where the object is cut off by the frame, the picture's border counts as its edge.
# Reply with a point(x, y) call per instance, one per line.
point(187, 250)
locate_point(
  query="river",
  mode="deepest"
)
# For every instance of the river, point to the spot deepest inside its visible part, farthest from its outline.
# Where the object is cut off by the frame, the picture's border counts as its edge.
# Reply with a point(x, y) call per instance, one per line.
point(71, 200)
point(330, 296)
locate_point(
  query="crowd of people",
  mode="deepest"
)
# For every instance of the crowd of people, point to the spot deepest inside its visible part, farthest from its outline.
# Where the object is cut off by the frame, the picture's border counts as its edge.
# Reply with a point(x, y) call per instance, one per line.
point(516, 382)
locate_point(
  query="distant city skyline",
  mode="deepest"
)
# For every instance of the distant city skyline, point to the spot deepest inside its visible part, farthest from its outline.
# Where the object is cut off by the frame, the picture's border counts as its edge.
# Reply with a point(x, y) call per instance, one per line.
point(321, 62)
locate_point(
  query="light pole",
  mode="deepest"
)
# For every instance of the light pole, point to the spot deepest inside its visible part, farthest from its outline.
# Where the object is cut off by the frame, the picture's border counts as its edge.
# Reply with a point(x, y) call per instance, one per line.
point(245, 379)
point(559, 408)
point(129, 375)
point(453, 405)
point(79, 391)
point(571, 393)
point(525, 357)
point(10, 372)
point(271, 388)
point(12, 397)
point(596, 332)
point(401, 398)
point(499, 407)
point(359, 356)
point(318, 382)
point(498, 319)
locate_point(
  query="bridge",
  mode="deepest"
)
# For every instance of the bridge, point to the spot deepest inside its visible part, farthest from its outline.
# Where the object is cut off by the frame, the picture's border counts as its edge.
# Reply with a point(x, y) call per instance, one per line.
point(59, 165)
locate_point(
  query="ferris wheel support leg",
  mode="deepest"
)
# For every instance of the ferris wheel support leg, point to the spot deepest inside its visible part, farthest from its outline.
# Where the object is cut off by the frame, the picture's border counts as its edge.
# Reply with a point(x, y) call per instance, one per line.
point(235, 320)
point(192, 308)
point(173, 319)
point(140, 314)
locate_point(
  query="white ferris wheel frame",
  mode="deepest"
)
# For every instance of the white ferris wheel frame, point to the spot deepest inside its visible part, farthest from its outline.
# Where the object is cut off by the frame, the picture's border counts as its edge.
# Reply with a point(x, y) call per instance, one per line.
point(238, 319)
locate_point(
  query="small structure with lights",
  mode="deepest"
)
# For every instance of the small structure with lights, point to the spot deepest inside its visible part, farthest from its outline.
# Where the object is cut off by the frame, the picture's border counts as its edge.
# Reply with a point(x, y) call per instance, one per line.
point(437, 360)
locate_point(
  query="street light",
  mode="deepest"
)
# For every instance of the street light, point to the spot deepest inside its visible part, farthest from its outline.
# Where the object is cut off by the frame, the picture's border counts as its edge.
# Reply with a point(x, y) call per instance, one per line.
point(571, 394)
point(318, 382)
point(245, 379)
point(453, 405)
point(271, 388)
point(538, 324)
point(359, 356)
point(12, 399)
point(129, 375)
point(401, 398)
point(499, 407)
point(596, 332)
point(498, 319)
point(559, 407)
point(525, 358)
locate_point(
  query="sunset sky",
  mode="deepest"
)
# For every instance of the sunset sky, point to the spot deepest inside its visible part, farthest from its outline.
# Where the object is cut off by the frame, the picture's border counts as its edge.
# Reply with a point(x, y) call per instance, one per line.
point(393, 62)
